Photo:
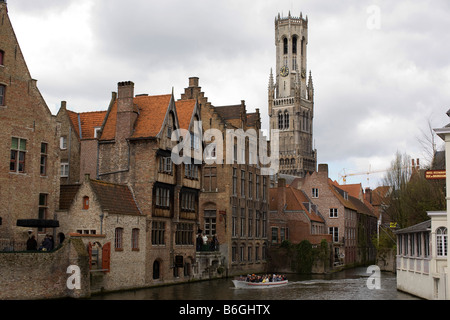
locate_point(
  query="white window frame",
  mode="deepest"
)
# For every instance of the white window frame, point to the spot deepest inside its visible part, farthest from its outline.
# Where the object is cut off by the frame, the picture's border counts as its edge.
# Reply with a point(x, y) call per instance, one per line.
point(64, 169)
point(333, 212)
point(96, 131)
point(441, 242)
point(63, 143)
point(334, 231)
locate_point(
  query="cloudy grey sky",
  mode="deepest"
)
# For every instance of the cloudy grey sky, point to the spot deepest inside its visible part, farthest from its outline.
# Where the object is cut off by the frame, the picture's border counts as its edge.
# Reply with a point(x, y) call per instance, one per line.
point(381, 69)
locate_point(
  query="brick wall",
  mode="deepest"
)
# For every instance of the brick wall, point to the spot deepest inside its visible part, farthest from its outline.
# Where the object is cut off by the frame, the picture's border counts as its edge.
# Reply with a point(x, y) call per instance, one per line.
point(127, 264)
point(71, 152)
point(43, 275)
point(25, 115)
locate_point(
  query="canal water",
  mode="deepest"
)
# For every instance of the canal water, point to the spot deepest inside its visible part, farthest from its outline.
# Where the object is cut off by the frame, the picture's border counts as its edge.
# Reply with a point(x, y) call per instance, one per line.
point(349, 284)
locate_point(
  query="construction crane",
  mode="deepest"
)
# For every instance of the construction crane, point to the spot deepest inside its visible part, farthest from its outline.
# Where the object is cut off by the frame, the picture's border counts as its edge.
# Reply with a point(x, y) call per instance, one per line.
point(368, 172)
point(414, 165)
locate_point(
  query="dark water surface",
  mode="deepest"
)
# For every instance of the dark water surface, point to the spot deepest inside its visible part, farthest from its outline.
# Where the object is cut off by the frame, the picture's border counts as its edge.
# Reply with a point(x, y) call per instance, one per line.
point(345, 285)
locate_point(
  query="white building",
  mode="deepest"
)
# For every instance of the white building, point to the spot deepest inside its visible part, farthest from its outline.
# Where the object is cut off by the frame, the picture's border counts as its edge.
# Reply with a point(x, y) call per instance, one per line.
point(422, 249)
point(422, 258)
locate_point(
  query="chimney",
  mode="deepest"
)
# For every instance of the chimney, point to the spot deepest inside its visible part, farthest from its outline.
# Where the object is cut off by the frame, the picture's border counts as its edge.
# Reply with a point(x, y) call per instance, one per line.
point(193, 82)
point(125, 110)
point(368, 195)
point(125, 96)
point(323, 168)
point(281, 195)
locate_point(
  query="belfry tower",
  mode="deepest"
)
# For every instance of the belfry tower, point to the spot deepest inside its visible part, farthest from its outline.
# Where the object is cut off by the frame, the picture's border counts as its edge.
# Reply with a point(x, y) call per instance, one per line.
point(291, 97)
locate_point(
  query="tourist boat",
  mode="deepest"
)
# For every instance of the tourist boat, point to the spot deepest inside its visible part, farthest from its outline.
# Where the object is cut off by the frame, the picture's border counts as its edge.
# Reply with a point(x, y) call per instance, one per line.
point(242, 284)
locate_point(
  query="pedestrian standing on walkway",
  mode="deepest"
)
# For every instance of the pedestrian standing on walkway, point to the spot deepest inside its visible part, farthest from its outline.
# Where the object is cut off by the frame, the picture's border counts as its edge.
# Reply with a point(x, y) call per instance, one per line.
point(32, 243)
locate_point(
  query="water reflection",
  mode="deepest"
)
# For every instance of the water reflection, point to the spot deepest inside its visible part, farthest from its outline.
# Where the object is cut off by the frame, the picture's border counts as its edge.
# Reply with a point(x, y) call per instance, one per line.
point(344, 285)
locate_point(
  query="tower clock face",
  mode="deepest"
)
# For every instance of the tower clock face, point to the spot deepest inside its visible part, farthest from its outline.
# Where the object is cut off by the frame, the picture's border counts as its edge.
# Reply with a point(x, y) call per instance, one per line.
point(284, 71)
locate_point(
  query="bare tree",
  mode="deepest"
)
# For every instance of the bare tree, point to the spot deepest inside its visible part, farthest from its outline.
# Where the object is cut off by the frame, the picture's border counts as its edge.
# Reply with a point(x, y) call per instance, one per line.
point(411, 194)
point(397, 178)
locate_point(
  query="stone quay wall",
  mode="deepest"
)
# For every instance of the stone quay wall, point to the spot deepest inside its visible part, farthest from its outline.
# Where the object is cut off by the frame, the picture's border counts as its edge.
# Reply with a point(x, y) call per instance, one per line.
point(44, 275)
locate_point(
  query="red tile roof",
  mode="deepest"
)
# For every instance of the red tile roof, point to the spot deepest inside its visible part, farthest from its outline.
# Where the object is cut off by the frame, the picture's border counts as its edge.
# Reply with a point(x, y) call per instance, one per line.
point(152, 111)
point(295, 200)
point(185, 109)
point(116, 198)
point(90, 121)
point(87, 122)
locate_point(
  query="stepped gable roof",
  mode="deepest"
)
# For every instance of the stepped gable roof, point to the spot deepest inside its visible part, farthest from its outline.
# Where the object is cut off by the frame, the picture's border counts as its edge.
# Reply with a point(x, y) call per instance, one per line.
point(67, 193)
point(230, 112)
point(254, 120)
point(185, 110)
point(84, 123)
point(151, 111)
point(116, 198)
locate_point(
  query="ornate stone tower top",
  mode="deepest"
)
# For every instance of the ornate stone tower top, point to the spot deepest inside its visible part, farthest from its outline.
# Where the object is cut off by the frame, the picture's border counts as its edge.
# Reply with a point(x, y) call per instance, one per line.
point(291, 39)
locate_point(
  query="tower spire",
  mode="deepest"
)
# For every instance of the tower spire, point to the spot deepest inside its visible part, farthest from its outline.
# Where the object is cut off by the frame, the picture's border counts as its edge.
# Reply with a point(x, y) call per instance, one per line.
point(271, 84)
point(310, 87)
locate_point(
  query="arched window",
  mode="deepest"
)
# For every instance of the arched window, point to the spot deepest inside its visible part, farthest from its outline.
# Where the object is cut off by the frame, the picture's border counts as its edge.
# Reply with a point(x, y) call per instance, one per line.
point(441, 242)
point(305, 124)
point(280, 120)
point(85, 202)
point(156, 268)
point(303, 121)
point(302, 45)
point(286, 120)
point(285, 46)
point(294, 44)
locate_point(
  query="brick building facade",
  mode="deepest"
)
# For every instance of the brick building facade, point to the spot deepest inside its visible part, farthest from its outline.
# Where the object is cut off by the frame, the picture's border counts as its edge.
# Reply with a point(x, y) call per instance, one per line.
point(349, 220)
point(78, 143)
point(294, 217)
point(135, 149)
point(234, 198)
point(29, 162)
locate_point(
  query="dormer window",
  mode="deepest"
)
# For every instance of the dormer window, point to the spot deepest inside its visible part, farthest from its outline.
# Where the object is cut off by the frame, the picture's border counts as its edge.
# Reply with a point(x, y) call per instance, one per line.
point(97, 132)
